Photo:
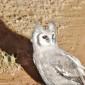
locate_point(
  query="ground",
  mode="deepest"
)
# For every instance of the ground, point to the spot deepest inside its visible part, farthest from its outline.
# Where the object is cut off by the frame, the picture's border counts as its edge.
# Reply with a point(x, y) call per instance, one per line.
point(17, 20)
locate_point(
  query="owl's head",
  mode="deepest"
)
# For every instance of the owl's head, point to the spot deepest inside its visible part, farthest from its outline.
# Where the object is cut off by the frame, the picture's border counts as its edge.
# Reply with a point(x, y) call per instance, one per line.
point(44, 37)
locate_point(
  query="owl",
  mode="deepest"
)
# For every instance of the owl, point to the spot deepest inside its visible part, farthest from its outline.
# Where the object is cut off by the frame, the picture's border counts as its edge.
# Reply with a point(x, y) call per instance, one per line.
point(55, 66)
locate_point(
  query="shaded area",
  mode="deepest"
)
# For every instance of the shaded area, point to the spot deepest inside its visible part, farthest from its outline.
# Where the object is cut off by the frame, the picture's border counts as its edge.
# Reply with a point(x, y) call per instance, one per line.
point(21, 47)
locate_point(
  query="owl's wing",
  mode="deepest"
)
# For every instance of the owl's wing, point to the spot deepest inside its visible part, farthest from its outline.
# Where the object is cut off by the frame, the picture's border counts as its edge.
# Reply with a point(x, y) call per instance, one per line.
point(70, 75)
point(76, 61)
point(55, 77)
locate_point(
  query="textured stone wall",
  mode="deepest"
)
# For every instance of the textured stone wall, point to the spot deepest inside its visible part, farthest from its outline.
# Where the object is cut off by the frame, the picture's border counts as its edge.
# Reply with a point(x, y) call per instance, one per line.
point(21, 15)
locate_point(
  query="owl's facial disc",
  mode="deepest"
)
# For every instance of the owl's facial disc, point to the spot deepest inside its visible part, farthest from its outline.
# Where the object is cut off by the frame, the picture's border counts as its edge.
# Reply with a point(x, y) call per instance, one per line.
point(46, 39)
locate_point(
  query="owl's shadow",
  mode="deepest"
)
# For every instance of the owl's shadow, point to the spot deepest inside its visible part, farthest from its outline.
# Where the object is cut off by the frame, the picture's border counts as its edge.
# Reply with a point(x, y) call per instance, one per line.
point(21, 47)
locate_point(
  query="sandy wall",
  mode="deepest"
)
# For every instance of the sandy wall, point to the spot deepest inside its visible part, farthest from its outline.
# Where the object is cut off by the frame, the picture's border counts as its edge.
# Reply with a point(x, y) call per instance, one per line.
point(21, 15)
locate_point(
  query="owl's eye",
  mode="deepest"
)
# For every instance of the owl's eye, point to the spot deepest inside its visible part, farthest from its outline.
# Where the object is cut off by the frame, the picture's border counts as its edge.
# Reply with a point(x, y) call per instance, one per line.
point(45, 37)
point(53, 36)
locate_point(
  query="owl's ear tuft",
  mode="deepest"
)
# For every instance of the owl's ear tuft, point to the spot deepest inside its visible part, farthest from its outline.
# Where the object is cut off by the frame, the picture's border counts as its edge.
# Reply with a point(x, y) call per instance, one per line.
point(52, 26)
point(38, 27)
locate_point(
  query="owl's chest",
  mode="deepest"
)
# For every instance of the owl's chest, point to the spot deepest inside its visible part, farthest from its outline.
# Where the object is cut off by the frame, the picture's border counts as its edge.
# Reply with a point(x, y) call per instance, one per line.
point(60, 60)
point(41, 58)
point(45, 58)
point(54, 58)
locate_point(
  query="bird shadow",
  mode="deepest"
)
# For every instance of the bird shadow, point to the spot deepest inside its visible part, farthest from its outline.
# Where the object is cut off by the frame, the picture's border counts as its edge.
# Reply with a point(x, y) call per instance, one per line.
point(22, 49)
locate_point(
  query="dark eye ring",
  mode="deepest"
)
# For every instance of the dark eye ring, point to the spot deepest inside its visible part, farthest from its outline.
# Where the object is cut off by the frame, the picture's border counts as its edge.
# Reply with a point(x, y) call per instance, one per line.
point(53, 36)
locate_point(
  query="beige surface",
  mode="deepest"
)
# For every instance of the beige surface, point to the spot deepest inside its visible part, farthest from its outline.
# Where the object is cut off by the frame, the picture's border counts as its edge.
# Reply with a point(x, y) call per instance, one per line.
point(20, 16)
point(19, 78)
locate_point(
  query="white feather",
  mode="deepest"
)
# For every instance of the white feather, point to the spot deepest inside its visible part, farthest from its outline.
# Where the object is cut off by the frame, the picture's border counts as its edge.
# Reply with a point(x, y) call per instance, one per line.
point(55, 65)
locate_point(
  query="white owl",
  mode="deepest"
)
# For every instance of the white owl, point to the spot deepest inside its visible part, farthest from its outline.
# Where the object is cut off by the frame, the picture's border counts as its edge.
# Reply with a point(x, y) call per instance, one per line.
point(55, 66)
